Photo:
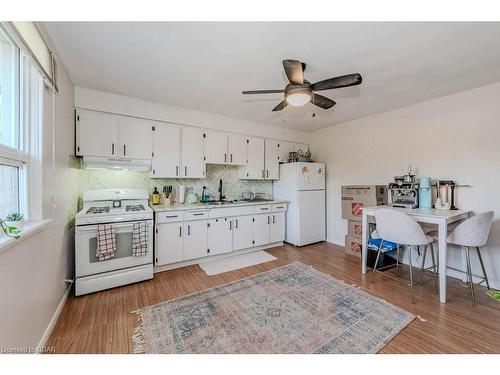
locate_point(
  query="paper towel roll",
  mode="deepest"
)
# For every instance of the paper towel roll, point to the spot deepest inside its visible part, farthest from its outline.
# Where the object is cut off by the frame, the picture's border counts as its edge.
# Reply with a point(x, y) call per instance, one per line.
point(180, 193)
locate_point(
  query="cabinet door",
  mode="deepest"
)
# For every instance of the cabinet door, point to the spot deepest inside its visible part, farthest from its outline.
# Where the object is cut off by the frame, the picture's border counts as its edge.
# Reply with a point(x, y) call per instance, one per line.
point(237, 149)
point(216, 148)
point(272, 160)
point(192, 153)
point(136, 137)
point(169, 244)
point(261, 229)
point(166, 151)
point(96, 134)
point(220, 236)
point(242, 232)
point(254, 170)
point(195, 239)
point(284, 149)
point(277, 232)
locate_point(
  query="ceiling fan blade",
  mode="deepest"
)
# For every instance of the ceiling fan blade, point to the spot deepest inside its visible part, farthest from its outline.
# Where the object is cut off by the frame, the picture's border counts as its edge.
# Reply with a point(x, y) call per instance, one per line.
point(280, 106)
point(323, 101)
point(337, 82)
point(294, 71)
point(248, 92)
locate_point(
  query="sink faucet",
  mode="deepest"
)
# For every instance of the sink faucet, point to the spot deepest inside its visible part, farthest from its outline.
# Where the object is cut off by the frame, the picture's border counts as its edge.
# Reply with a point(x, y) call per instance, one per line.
point(221, 196)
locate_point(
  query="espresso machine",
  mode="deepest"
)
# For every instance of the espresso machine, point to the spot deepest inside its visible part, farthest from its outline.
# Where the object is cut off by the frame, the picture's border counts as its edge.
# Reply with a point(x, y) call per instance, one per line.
point(404, 191)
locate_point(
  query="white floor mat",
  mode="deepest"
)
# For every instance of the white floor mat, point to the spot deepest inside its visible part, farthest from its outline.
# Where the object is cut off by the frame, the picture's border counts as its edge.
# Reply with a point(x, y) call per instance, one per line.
point(235, 262)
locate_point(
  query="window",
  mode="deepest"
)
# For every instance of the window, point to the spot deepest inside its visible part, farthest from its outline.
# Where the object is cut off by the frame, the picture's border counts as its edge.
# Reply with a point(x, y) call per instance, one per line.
point(21, 93)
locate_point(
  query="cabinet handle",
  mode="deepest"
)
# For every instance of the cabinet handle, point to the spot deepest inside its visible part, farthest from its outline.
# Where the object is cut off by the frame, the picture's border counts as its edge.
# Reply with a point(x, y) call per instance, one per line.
point(171, 216)
point(185, 170)
point(176, 170)
point(236, 224)
point(199, 213)
point(264, 208)
point(267, 173)
point(231, 156)
point(112, 148)
point(273, 219)
point(279, 207)
point(189, 230)
point(180, 231)
point(225, 158)
point(268, 220)
point(124, 150)
point(263, 174)
point(230, 225)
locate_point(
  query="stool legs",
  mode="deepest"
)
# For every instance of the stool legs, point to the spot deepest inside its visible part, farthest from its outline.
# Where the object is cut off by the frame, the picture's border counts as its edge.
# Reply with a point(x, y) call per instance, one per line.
point(411, 279)
point(422, 269)
point(376, 262)
point(469, 277)
point(434, 266)
point(397, 261)
point(482, 266)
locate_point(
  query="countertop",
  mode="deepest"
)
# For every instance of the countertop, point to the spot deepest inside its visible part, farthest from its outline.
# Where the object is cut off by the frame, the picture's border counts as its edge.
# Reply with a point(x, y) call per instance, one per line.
point(199, 205)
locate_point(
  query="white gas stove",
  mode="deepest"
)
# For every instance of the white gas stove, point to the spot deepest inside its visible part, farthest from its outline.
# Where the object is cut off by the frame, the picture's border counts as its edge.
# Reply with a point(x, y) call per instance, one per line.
point(121, 208)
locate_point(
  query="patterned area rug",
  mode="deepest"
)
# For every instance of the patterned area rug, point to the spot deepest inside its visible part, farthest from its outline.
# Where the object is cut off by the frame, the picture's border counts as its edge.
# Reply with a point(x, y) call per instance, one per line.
point(290, 309)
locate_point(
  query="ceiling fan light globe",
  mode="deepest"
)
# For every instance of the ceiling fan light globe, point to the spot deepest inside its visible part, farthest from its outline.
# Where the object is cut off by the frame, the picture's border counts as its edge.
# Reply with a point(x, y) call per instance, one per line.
point(298, 99)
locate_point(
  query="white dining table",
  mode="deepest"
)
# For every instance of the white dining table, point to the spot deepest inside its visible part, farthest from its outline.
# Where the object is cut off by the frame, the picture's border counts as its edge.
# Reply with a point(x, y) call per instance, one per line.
point(422, 215)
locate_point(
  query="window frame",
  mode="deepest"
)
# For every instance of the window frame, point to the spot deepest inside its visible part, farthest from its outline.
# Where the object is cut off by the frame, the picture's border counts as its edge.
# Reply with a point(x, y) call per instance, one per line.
point(28, 156)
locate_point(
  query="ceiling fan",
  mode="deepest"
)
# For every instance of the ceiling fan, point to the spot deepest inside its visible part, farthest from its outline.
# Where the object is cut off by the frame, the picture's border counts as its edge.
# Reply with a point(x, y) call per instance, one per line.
point(300, 91)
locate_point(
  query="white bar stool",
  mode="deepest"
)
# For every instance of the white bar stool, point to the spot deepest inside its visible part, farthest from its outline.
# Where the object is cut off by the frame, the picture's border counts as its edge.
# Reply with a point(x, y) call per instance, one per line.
point(395, 226)
point(472, 232)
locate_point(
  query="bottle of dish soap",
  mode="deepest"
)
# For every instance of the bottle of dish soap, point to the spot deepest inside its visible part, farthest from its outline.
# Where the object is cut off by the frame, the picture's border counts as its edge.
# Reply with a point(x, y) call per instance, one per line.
point(155, 198)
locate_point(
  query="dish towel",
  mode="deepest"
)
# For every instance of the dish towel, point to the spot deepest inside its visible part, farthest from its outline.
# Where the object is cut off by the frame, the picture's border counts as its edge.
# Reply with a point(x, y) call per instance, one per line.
point(106, 242)
point(139, 239)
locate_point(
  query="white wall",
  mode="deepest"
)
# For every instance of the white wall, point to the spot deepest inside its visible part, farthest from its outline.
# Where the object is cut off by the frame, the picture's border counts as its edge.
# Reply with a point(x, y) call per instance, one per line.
point(454, 137)
point(32, 273)
point(113, 103)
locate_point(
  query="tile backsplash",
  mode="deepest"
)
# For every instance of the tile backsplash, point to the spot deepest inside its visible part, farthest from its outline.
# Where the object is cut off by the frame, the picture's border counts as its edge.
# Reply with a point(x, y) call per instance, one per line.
point(233, 187)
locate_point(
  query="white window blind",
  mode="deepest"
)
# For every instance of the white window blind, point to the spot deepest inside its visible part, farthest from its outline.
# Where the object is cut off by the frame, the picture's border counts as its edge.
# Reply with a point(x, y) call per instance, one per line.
point(36, 46)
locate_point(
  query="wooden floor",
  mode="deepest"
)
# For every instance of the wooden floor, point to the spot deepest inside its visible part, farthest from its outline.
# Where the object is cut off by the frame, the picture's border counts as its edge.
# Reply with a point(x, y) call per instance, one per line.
point(102, 322)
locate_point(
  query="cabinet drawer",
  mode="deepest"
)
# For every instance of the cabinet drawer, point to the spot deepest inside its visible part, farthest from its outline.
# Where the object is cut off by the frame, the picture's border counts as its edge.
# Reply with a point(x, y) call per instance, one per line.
point(262, 209)
point(279, 207)
point(231, 211)
point(196, 215)
point(169, 216)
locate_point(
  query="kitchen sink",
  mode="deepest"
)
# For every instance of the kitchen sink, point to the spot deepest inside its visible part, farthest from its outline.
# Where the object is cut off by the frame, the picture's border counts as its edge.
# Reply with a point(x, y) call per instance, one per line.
point(256, 200)
point(218, 203)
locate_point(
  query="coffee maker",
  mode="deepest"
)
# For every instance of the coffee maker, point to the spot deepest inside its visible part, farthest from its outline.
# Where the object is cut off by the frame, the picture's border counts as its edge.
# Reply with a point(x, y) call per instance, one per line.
point(404, 191)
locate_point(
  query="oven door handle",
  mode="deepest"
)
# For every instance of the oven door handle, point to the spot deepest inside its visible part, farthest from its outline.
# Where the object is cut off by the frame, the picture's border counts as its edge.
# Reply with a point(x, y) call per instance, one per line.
point(88, 228)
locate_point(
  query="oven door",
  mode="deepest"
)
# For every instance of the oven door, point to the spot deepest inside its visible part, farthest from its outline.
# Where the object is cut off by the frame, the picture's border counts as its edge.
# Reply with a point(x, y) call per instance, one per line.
point(86, 262)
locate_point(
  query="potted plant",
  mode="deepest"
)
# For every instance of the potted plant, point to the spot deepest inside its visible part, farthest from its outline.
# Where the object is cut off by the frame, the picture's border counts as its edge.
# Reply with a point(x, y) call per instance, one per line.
point(14, 222)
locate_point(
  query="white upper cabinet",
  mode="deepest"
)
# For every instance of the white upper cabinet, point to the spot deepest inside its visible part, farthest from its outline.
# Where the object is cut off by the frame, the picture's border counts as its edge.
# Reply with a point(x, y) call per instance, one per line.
point(272, 160)
point(237, 149)
point(166, 151)
point(255, 168)
point(135, 137)
point(96, 134)
point(192, 153)
point(221, 148)
point(216, 148)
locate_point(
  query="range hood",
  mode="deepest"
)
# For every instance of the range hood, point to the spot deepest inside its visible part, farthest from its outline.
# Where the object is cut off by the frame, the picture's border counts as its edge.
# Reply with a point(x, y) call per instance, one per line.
point(95, 162)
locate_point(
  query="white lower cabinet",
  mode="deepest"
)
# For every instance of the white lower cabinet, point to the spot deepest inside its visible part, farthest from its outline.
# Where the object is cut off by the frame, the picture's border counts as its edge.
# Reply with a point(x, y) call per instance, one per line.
point(220, 236)
point(261, 235)
point(242, 232)
point(195, 239)
point(169, 243)
point(193, 234)
point(277, 230)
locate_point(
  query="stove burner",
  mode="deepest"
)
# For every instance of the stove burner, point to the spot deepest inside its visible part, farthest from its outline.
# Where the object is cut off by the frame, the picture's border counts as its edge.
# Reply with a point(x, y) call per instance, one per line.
point(98, 210)
point(135, 207)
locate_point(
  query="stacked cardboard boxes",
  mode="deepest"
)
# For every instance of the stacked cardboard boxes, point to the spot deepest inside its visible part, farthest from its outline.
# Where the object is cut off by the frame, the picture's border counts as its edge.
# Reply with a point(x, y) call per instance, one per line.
point(354, 199)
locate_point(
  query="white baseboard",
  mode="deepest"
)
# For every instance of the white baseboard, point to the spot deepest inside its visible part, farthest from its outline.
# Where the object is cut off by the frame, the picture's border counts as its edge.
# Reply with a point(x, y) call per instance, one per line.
point(48, 331)
point(335, 242)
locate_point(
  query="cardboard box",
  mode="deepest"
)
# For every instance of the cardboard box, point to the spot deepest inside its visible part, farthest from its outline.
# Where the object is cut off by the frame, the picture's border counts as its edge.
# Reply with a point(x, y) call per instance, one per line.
point(353, 246)
point(354, 229)
point(356, 197)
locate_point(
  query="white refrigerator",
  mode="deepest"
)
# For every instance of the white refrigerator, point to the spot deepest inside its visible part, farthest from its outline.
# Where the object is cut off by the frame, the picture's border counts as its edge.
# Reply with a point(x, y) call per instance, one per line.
point(303, 185)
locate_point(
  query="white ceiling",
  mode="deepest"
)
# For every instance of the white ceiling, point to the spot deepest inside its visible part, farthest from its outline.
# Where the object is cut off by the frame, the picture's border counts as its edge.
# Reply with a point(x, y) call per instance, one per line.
point(204, 66)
